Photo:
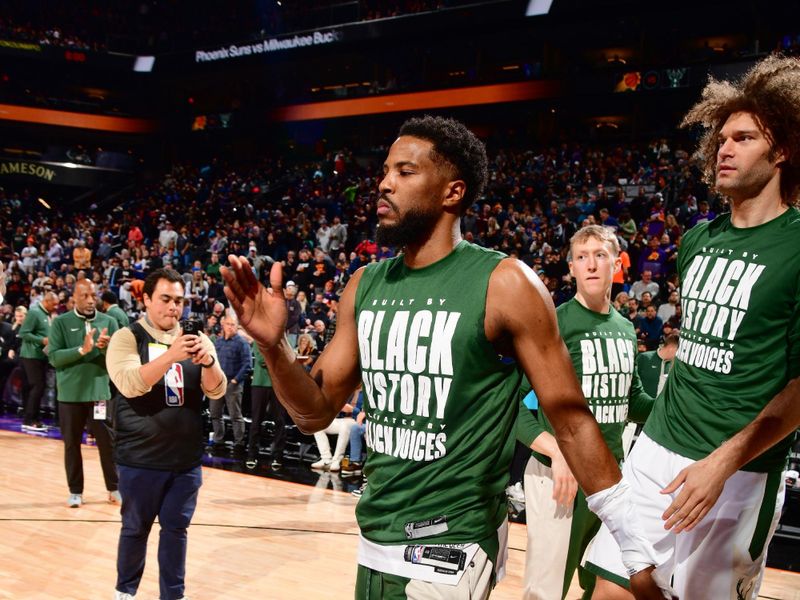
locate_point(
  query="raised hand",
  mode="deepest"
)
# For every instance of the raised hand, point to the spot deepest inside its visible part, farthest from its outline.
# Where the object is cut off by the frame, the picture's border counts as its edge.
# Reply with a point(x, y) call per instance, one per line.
point(184, 346)
point(88, 341)
point(200, 354)
point(262, 312)
point(103, 338)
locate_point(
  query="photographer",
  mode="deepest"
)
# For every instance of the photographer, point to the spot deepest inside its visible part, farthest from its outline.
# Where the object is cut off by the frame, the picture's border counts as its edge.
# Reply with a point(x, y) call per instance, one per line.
point(162, 375)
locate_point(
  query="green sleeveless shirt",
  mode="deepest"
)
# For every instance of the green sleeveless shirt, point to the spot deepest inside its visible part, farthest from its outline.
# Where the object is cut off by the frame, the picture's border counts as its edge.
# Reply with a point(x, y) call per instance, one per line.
point(440, 402)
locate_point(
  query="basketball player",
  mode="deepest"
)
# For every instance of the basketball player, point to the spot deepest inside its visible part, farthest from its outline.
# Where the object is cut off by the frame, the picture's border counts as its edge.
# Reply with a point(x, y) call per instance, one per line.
point(426, 334)
point(706, 471)
point(602, 344)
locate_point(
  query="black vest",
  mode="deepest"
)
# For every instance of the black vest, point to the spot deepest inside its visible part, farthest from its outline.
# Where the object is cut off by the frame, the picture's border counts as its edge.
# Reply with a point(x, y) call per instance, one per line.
point(156, 430)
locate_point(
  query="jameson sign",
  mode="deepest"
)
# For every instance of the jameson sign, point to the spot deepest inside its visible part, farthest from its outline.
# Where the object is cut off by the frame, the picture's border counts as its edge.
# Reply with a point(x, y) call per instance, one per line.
point(56, 173)
point(317, 38)
point(20, 167)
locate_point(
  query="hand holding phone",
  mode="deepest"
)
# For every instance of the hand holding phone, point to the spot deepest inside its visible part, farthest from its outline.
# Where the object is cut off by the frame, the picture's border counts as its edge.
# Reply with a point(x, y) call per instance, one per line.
point(191, 327)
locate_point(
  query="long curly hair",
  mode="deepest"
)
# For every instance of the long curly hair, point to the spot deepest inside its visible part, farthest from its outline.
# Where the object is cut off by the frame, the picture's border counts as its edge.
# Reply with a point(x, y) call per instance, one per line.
point(770, 91)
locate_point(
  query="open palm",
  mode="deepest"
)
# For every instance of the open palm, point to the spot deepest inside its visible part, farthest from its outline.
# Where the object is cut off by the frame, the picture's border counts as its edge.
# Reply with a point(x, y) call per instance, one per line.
point(262, 312)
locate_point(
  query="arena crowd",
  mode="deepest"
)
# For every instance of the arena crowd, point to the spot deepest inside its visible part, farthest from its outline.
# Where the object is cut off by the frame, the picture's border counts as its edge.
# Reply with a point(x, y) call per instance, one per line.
point(318, 219)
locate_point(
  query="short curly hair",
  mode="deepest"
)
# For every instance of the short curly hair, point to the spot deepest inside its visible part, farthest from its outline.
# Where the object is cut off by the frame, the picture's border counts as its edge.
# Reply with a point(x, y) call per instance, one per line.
point(770, 91)
point(457, 147)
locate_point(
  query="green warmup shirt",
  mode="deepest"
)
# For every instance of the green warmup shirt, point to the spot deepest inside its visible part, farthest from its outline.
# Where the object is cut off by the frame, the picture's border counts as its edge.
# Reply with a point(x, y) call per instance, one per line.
point(35, 327)
point(116, 313)
point(261, 376)
point(79, 378)
point(603, 352)
point(440, 402)
point(740, 336)
point(650, 367)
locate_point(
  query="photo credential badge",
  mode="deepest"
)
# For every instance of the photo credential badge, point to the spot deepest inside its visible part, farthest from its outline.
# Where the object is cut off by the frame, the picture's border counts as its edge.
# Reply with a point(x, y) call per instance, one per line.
point(99, 411)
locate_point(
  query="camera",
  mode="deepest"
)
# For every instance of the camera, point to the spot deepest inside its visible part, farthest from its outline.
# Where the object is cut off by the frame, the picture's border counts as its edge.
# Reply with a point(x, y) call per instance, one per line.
point(191, 327)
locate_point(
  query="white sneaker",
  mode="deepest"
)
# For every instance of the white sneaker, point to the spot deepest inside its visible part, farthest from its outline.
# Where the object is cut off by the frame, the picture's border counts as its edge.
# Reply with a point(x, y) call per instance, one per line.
point(335, 465)
point(321, 464)
point(114, 497)
point(37, 427)
point(123, 596)
point(74, 500)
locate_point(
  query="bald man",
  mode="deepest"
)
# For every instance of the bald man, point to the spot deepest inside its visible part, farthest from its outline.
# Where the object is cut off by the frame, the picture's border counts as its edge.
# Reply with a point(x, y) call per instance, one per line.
point(78, 342)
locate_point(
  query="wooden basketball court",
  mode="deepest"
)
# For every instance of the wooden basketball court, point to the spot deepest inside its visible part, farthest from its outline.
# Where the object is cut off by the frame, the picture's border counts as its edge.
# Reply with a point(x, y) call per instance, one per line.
point(251, 537)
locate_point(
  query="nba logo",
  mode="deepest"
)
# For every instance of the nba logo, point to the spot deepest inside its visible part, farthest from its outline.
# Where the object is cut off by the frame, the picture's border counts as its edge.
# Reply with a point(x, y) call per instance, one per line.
point(173, 384)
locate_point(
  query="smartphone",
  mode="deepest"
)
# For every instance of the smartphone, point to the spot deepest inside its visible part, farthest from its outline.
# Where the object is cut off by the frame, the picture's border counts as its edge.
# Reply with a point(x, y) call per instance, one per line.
point(191, 327)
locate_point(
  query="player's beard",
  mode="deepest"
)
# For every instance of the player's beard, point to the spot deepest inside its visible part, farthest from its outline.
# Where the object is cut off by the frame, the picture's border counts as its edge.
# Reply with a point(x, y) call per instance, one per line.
point(413, 228)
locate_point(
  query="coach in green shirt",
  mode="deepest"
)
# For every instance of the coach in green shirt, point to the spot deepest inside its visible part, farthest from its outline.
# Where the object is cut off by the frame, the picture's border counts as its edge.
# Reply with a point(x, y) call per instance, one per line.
point(111, 308)
point(34, 333)
point(654, 366)
point(78, 341)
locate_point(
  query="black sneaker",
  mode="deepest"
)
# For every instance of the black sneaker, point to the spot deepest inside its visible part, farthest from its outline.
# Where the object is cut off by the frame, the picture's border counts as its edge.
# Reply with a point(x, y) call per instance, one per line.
point(276, 464)
point(251, 463)
point(357, 493)
point(353, 469)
